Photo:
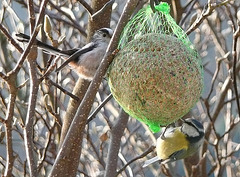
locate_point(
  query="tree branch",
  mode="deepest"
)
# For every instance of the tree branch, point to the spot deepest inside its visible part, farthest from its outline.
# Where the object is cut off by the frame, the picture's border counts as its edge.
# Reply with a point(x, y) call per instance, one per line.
point(115, 141)
point(86, 6)
point(8, 125)
point(204, 15)
point(9, 37)
point(100, 12)
point(34, 85)
point(75, 133)
point(149, 150)
point(32, 18)
point(236, 35)
point(94, 113)
point(28, 131)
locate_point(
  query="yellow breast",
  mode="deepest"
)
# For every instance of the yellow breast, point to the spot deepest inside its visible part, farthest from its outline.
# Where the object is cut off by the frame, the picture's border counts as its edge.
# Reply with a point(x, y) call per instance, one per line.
point(174, 142)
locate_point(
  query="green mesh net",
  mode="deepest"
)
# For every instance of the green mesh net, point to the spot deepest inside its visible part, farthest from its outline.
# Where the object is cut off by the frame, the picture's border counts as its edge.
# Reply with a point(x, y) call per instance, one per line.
point(157, 75)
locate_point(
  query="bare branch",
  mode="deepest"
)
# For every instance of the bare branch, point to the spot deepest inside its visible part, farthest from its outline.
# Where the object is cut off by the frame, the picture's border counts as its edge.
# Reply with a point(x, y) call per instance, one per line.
point(102, 10)
point(8, 125)
point(94, 113)
point(204, 15)
point(115, 141)
point(74, 22)
point(34, 85)
point(218, 62)
point(75, 133)
point(28, 131)
point(32, 18)
point(9, 37)
point(25, 53)
point(144, 154)
point(62, 89)
point(236, 34)
point(3, 76)
point(191, 4)
point(86, 6)
point(216, 36)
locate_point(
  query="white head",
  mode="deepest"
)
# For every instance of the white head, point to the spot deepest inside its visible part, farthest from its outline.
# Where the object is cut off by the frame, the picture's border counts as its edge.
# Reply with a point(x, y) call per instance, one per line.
point(103, 34)
point(193, 129)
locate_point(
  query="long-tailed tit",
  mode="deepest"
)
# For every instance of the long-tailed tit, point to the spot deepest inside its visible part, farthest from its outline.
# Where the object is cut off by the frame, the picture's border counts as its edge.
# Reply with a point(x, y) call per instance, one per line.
point(86, 60)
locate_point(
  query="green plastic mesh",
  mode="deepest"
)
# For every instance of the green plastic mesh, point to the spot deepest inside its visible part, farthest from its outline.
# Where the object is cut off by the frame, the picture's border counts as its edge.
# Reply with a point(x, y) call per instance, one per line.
point(157, 75)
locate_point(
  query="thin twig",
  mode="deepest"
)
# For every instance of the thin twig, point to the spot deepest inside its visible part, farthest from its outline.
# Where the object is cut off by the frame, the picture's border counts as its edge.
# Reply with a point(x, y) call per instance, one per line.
point(23, 84)
point(94, 113)
point(44, 153)
point(218, 62)
point(59, 19)
point(204, 15)
point(96, 150)
point(9, 37)
point(234, 54)
point(62, 89)
point(149, 150)
point(74, 22)
point(102, 10)
point(50, 69)
point(86, 6)
point(188, 12)
point(220, 46)
point(54, 114)
point(48, 72)
point(3, 76)
point(26, 52)
point(32, 18)
point(2, 120)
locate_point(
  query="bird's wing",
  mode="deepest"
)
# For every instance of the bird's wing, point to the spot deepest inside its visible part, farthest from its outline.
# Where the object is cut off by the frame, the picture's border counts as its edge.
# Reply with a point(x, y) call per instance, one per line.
point(176, 155)
point(150, 161)
point(75, 56)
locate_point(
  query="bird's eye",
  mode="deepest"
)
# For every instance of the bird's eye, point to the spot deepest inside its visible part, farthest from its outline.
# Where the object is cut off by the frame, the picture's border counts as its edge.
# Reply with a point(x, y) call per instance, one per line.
point(104, 35)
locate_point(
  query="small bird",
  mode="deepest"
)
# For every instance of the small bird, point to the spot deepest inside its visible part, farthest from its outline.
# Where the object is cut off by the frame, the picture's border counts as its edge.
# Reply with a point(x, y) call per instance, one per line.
point(86, 60)
point(178, 142)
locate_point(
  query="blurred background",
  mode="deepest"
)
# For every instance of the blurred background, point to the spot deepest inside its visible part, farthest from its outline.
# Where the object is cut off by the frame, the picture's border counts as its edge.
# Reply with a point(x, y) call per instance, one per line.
point(215, 36)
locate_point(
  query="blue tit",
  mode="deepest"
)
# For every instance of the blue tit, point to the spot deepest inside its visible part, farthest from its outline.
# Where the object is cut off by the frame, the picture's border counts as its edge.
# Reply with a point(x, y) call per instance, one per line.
point(86, 60)
point(178, 142)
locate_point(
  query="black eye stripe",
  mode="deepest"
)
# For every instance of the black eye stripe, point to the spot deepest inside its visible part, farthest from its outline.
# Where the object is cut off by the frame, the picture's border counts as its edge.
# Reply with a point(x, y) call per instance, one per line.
point(104, 31)
point(199, 128)
point(195, 125)
point(195, 138)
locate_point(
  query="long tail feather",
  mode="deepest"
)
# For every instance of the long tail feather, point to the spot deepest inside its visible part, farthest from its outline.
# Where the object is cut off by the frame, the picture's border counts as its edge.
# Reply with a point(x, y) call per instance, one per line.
point(48, 48)
point(150, 161)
